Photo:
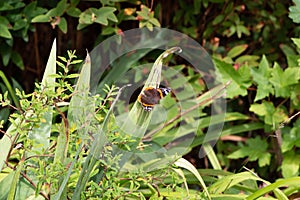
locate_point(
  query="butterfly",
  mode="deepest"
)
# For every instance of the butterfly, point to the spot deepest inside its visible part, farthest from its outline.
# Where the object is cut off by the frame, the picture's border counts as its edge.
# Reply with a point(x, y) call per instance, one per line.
point(151, 96)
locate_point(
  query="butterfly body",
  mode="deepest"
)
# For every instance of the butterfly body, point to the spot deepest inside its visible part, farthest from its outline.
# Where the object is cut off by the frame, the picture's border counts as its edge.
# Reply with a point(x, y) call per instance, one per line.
point(151, 96)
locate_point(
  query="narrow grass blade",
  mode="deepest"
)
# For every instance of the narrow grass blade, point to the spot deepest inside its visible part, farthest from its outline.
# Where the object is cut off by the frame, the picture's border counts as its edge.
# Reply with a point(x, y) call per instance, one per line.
point(180, 172)
point(5, 185)
point(66, 178)
point(10, 89)
point(229, 181)
point(13, 186)
point(183, 163)
point(5, 144)
point(274, 187)
point(211, 156)
point(80, 107)
point(41, 134)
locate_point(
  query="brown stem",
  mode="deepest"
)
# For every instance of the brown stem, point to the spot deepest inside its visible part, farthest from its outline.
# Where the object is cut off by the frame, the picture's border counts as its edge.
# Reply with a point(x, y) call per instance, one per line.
point(65, 120)
point(33, 184)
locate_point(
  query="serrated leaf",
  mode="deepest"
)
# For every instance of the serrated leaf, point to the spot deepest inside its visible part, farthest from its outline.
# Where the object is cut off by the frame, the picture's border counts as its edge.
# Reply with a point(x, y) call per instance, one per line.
point(291, 137)
point(104, 14)
point(261, 76)
point(252, 151)
point(269, 112)
point(87, 17)
point(290, 164)
point(265, 109)
point(238, 85)
point(281, 79)
point(264, 159)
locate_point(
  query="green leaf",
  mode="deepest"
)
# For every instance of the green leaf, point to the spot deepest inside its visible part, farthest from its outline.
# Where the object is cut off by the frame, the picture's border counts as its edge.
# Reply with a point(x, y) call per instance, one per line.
point(282, 79)
point(296, 42)
point(251, 60)
point(272, 116)
point(19, 24)
point(48, 81)
point(292, 182)
point(212, 156)
point(41, 134)
point(41, 18)
point(229, 181)
point(252, 151)
point(6, 143)
point(17, 60)
point(13, 186)
point(154, 21)
point(63, 25)
point(291, 137)
point(4, 32)
point(183, 163)
point(5, 52)
point(290, 164)
point(261, 77)
point(264, 159)
point(265, 109)
point(87, 17)
point(80, 106)
point(5, 184)
point(218, 19)
point(104, 14)
point(59, 9)
point(238, 85)
point(73, 12)
point(295, 11)
point(237, 50)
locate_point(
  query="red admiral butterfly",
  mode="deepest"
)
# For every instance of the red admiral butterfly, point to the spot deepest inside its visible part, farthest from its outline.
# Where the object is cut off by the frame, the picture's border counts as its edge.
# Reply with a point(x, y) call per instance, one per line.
point(152, 96)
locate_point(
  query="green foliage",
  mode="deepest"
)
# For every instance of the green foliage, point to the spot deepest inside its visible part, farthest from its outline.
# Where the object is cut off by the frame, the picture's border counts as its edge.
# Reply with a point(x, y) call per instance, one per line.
point(64, 142)
point(15, 22)
point(295, 11)
point(272, 84)
point(85, 160)
point(253, 153)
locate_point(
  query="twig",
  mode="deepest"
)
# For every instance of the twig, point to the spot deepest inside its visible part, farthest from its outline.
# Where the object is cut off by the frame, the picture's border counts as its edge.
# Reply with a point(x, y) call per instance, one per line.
point(288, 120)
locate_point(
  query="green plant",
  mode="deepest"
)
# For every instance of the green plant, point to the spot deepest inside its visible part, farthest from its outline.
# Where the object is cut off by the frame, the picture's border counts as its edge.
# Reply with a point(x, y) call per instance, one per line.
point(67, 171)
